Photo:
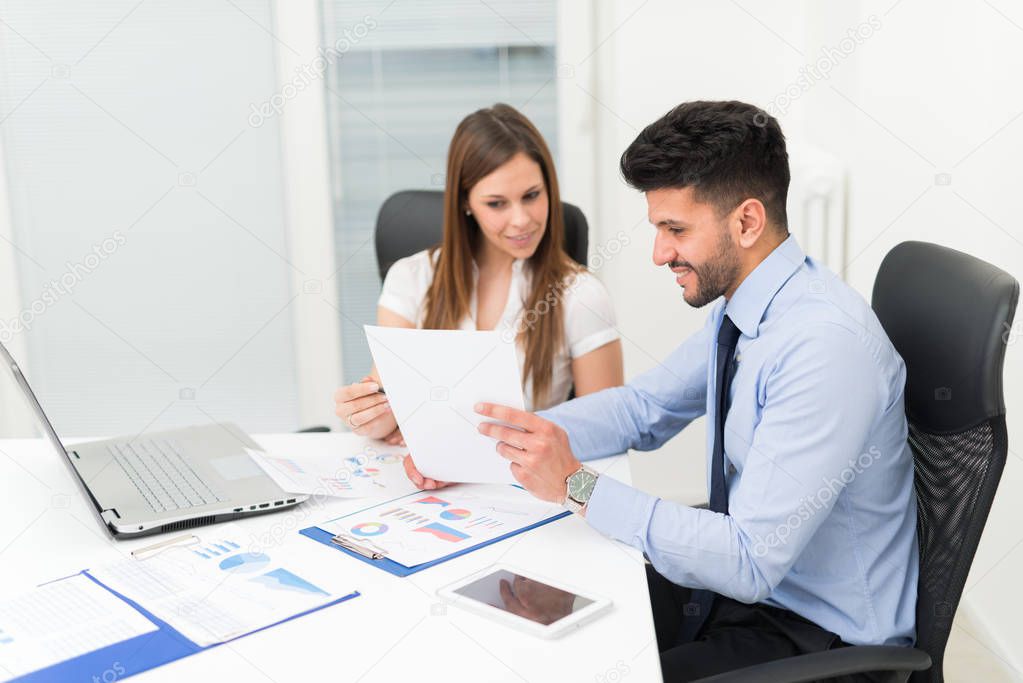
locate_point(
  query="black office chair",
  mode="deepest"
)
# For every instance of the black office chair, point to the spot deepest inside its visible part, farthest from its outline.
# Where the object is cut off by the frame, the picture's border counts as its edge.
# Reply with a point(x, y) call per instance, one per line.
point(948, 315)
point(412, 220)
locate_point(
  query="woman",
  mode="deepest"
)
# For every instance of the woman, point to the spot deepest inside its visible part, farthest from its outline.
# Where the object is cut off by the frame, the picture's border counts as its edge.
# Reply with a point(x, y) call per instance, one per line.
point(501, 265)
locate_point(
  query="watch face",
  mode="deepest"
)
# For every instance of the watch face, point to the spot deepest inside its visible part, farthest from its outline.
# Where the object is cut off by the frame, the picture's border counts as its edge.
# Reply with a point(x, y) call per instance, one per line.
point(580, 485)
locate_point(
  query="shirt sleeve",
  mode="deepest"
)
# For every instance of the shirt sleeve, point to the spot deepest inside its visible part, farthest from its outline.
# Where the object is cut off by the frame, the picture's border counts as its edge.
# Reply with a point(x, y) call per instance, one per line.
point(644, 413)
point(405, 286)
point(819, 406)
point(589, 316)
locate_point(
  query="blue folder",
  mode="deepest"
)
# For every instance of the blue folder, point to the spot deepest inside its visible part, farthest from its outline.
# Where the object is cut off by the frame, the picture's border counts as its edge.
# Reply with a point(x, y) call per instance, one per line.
point(137, 654)
point(392, 567)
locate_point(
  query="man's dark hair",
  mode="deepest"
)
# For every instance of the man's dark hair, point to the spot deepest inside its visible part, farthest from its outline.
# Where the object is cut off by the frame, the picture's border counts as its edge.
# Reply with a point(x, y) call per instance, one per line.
point(726, 151)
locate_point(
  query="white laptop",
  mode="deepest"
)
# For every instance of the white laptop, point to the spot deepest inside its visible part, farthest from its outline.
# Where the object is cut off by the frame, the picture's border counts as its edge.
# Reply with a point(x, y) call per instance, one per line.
point(165, 481)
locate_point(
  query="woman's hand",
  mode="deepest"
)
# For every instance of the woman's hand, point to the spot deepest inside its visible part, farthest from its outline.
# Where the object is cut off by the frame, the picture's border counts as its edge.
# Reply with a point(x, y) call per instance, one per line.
point(418, 479)
point(395, 438)
point(366, 411)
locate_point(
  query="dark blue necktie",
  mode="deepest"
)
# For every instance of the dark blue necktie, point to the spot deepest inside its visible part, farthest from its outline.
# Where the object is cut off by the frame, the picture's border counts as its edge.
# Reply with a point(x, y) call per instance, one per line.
point(696, 611)
point(728, 337)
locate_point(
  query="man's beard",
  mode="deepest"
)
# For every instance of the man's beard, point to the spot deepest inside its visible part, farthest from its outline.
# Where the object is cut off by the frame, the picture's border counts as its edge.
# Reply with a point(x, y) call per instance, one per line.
point(714, 277)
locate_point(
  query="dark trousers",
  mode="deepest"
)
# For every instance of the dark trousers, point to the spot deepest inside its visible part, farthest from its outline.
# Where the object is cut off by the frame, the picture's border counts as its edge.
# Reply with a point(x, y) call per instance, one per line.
point(735, 635)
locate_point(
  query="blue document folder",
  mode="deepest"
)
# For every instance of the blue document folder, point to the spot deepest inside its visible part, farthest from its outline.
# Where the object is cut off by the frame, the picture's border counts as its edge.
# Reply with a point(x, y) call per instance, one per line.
point(398, 569)
point(138, 654)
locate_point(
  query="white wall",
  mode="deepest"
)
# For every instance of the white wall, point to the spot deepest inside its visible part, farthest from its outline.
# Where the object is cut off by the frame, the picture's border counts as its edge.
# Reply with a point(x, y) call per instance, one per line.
point(659, 54)
point(935, 92)
point(931, 91)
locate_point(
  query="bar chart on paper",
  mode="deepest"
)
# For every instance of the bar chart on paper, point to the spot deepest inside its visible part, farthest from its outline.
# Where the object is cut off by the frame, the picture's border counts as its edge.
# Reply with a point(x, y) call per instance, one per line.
point(216, 549)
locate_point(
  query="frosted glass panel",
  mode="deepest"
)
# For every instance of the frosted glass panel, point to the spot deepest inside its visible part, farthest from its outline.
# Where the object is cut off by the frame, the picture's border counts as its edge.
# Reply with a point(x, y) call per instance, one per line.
point(135, 178)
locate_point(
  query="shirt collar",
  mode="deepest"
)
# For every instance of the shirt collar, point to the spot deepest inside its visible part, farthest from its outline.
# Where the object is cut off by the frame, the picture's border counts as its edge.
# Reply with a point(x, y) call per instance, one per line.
point(748, 304)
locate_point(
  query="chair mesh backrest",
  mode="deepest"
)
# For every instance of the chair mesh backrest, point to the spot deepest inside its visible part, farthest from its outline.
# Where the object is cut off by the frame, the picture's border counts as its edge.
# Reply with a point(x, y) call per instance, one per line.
point(947, 313)
point(956, 478)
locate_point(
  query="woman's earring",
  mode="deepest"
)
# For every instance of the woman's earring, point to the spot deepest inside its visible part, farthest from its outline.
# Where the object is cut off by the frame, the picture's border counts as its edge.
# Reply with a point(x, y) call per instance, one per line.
point(468, 212)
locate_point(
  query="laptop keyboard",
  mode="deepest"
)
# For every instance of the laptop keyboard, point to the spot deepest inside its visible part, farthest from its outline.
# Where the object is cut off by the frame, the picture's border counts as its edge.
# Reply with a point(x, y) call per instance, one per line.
point(163, 476)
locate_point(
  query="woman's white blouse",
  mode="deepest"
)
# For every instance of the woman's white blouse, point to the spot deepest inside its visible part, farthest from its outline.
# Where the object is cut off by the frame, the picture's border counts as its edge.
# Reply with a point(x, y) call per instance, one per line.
point(588, 316)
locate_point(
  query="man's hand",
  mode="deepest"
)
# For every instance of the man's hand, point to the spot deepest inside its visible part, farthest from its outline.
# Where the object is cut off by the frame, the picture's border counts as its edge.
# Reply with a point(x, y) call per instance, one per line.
point(541, 458)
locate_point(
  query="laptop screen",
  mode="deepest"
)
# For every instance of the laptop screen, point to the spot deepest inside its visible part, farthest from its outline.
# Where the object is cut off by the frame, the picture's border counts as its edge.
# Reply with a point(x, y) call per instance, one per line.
point(33, 402)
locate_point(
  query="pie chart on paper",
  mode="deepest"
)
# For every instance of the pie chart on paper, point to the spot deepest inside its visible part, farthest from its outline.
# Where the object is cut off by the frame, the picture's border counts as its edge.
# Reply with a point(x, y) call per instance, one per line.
point(245, 562)
point(369, 529)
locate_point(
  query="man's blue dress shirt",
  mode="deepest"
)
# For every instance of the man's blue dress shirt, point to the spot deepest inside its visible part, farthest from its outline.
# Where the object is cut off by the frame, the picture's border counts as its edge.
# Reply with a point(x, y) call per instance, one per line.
point(822, 511)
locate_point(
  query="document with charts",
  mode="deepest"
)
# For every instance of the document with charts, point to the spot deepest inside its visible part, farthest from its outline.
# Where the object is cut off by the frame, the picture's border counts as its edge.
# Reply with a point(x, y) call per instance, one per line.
point(429, 525)
point(337, 464)
point(222, 586)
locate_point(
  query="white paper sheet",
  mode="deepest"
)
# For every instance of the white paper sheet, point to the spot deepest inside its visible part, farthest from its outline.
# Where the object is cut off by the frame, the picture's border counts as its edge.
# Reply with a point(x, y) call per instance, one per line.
point(338, 464)
point(221, 588)
point(429, 525)
point(433, 379)
point(62, 620)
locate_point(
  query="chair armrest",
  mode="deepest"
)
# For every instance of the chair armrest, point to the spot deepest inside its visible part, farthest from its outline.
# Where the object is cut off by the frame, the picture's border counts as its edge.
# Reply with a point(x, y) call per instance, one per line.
point(840, 662)
point(318, 428)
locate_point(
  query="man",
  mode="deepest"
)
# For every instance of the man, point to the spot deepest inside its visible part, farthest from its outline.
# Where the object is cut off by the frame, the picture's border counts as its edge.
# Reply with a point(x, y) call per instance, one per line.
point(809, 542)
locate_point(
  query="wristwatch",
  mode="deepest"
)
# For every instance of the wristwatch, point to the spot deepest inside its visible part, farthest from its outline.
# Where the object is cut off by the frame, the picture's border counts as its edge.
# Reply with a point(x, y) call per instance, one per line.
point(578, 488)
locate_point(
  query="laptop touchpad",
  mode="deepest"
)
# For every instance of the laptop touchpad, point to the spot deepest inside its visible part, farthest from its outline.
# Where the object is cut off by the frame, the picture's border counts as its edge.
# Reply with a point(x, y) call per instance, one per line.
point(236, 467)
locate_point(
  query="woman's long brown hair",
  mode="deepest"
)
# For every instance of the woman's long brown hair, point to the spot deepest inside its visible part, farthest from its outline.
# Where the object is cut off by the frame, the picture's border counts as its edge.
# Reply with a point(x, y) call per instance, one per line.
point(483, 141)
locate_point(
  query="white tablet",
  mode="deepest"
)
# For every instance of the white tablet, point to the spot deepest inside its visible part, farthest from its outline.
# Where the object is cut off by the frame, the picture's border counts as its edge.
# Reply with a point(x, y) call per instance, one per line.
point(525, 601)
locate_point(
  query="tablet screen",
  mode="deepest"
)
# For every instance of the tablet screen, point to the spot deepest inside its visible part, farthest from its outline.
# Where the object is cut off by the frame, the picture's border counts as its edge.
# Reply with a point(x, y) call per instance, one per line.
point(524, 596)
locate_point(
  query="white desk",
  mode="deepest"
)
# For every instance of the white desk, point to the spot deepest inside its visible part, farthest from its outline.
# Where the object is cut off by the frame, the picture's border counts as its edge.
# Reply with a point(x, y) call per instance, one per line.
point(397, 630)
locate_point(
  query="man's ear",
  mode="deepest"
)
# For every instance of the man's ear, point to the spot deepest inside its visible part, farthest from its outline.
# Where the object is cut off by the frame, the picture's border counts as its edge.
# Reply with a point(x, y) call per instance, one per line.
point(752, 218)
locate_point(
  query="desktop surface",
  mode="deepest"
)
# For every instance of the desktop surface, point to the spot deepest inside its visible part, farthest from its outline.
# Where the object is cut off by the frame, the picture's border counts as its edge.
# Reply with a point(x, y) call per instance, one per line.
point(397, 629)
